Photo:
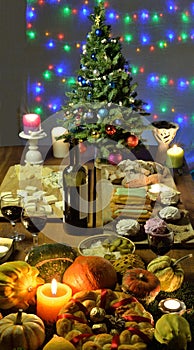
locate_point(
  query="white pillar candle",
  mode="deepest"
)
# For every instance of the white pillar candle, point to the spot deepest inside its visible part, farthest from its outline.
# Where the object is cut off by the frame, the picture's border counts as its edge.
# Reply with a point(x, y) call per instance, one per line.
point(175, 156)
point(60, 148)
point(31, 123)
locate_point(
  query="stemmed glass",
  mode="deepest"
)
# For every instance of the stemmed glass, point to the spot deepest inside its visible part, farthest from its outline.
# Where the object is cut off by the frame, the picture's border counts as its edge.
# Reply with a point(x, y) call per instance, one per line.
point(160, 243)
point(11, 208)
point(34, 219)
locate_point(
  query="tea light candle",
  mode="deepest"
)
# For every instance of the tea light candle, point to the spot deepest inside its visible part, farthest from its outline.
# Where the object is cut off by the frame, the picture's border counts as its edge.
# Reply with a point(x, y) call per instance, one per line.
point(154, 191)
point(50, 299)
point(31, 123)
point(171, 305)
point(175, 156)
point(60, 148)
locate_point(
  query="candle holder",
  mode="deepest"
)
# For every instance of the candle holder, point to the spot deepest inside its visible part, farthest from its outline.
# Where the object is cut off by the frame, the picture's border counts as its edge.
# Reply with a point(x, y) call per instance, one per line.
point(172, 306)
point(33, 155)
point(164, 133)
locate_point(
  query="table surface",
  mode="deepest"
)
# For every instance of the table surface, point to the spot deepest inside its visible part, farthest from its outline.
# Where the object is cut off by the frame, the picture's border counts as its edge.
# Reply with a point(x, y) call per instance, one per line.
point(13, 155)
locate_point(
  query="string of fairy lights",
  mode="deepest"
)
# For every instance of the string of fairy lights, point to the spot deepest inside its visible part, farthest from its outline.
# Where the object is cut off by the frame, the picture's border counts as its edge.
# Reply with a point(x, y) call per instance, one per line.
point(143, 32)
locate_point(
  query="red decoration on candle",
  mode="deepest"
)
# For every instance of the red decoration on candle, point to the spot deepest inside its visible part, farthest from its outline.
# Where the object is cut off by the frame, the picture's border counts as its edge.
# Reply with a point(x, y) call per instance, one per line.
point(31, 123)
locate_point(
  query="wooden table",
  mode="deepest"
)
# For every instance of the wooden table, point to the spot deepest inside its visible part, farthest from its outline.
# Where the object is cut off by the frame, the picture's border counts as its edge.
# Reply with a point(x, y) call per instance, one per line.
point(12, 155)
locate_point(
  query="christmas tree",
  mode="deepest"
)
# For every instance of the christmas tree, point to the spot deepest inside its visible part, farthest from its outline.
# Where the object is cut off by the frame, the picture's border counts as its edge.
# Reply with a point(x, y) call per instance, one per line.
point(103, 105)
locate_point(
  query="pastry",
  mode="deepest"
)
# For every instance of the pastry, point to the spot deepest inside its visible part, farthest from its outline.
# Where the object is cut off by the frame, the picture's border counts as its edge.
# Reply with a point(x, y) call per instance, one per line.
point(90, 320)
point(170, 214)
point(156, 225)
point(169, 195)
point(127, 227)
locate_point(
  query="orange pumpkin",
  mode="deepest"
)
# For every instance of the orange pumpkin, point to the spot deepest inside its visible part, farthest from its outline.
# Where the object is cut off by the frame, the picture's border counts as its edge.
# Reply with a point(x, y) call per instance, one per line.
point(141, 283)
point(90, 273)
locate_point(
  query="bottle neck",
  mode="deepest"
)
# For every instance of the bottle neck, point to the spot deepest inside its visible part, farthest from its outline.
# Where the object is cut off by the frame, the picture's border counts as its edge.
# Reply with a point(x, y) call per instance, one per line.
point(74, 155)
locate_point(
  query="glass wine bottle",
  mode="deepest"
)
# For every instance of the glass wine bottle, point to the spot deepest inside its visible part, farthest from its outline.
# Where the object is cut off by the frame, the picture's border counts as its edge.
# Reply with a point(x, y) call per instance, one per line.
point(75, 193)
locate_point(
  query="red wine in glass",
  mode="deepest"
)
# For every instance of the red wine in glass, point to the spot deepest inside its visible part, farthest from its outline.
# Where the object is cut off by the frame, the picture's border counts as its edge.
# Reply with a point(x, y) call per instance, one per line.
point(34, 220)
point(11, 209)
point(11, 212)
point(162, 243)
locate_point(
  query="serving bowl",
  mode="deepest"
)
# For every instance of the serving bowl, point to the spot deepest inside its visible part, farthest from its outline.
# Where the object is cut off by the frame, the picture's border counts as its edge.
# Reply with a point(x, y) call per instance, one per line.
point(107, 245)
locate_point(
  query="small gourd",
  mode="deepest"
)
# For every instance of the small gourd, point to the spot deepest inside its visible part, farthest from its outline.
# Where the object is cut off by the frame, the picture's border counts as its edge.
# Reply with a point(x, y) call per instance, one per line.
point(174, 331)
point(90, 273)
point(141, 283)
point(18, 284)
point(24, 331)
point(59, 343)
point(168, 271)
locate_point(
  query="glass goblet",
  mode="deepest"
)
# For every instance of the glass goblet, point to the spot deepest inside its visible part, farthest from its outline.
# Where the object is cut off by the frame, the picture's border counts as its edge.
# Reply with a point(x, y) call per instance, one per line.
point(160, 243)
point(11, 208)
point(34, 219)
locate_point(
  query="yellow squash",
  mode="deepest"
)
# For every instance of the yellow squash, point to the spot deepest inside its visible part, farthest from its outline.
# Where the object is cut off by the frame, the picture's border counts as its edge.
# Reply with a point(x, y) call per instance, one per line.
point(18, 284)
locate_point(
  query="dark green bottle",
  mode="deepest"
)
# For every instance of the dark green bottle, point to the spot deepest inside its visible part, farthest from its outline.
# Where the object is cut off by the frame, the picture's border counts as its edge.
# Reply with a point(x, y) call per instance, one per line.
point(75, 193)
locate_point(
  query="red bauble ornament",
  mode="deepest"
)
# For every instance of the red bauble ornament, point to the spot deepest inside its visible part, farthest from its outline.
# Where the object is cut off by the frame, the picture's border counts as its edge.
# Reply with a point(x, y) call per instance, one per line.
point(110, 130)
point(132, 141)
point(115, 158)
point(82, 147)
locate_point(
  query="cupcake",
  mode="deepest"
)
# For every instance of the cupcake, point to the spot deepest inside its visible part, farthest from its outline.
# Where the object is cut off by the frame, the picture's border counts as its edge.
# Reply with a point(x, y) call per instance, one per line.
point(128, 227)
point(170, 214)
point(156, 225)
point(169, 196)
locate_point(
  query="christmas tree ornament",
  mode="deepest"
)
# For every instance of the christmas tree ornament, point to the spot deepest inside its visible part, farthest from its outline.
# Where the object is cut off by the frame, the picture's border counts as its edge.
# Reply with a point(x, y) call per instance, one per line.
point(88, 115)
point(110, 130)
point(112, 85)
point(79, 78)
point(103, 112)
point(115, 158)
point(77, 120)
point(118, 121)
point(98, 32)
point(82, 146)
point(95, 134)
point(96, 72)
point(132, 141)
point(93, 56)
point(83, 82)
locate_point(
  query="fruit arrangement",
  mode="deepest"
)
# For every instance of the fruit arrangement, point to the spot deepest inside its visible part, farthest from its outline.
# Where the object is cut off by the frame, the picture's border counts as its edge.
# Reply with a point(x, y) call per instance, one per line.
point(109, 308)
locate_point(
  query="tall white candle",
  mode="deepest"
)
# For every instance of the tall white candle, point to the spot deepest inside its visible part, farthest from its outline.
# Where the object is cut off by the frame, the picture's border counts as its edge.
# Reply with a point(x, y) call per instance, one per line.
point(60, 148)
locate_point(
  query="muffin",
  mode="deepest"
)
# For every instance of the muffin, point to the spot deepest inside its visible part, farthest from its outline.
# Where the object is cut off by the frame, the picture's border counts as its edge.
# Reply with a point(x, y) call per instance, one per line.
point(170, 214)
point(156, 225)
point(169, 196)
point(128, 227)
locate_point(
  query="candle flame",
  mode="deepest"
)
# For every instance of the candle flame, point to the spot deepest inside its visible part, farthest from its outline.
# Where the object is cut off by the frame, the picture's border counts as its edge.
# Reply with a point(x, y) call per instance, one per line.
point(54, 286)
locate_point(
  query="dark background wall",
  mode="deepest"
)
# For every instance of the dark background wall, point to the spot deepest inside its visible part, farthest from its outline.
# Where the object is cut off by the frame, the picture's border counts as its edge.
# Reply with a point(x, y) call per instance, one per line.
point(12, 68)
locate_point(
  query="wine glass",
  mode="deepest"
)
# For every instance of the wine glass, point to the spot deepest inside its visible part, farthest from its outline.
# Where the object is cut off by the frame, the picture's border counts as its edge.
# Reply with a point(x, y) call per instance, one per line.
point(34, 219)
point(11, 208)
point(160, 243)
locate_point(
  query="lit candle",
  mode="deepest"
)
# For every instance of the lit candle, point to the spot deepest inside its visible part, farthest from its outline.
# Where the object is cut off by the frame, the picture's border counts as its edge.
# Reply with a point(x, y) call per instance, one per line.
point(171, 305)
point(175, 156)
point(51, 297)
point(60, 148)
point(154, 191)
point(31, 123)
point(3, 250)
